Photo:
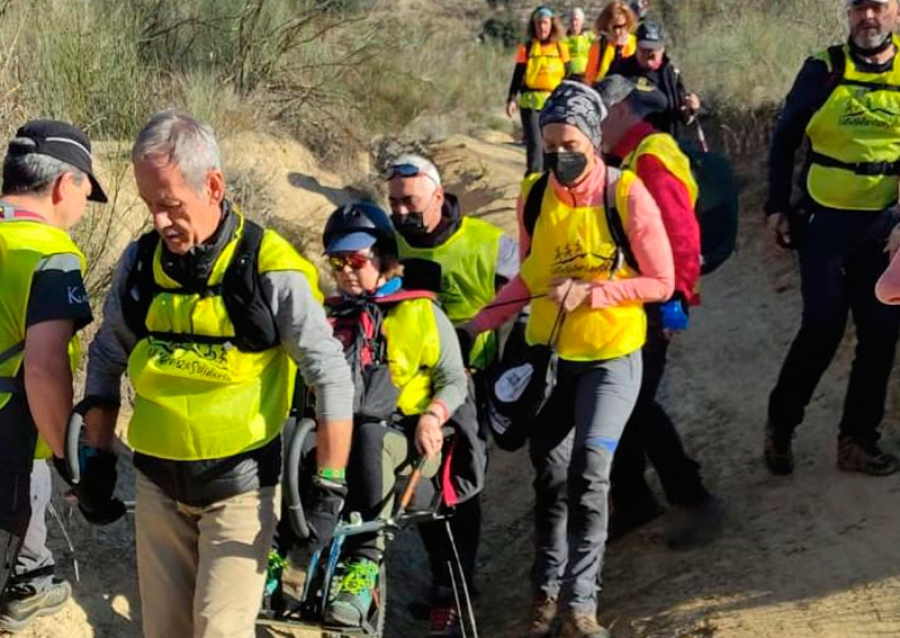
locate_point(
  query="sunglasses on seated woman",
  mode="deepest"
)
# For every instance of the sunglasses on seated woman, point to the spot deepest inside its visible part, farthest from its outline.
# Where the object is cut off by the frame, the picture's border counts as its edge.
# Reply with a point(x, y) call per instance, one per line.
point(356, 261)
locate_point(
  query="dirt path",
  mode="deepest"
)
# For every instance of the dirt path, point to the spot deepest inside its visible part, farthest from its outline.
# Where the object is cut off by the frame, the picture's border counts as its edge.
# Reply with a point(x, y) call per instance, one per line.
point(812, 555)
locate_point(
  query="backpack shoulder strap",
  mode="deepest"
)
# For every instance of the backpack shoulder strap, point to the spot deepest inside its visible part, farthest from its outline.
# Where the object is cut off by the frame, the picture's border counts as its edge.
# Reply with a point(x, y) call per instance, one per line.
point(837, 66)
point(532, 207)
point(139, 286)
point(254, 325)
point(614, 219)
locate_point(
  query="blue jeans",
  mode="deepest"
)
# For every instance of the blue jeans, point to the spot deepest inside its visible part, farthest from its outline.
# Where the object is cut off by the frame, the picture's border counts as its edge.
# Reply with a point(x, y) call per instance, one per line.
point(572, 452)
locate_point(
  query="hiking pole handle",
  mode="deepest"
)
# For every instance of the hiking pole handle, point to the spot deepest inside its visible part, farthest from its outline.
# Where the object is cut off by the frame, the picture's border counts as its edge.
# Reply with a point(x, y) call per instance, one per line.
point(406, 499)
point(701, 136)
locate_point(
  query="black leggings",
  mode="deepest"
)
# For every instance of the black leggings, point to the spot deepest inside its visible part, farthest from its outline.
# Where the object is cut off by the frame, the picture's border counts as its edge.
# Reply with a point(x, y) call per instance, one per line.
point(534, 151)
point(15, 511)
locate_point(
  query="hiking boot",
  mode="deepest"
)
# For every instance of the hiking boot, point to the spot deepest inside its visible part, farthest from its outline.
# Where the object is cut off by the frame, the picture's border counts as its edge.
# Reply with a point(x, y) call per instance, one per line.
point(444, 622)
point(623, 520)
point(543, 616)
point(582, 624)
point(777, 451)
point(352, 598)
point(697, 524)
point(860, 456)
point(24, 604)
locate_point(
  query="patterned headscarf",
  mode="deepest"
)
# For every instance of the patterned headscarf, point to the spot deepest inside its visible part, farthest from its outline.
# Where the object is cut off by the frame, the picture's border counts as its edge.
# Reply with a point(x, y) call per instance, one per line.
point(578, 105)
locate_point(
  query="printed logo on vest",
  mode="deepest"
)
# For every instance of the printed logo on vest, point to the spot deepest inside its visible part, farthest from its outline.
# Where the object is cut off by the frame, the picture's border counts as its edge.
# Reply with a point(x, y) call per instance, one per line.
point(863, 110)
point(195, 359)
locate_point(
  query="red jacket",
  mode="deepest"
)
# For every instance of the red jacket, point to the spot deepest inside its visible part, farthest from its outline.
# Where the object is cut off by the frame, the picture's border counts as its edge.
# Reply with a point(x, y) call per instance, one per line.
point(678, 214)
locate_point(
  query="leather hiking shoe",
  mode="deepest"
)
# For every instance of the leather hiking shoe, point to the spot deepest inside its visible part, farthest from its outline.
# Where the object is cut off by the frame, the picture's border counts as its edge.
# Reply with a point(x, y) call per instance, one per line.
point(581, 624)
point(444, 622)
point(354, 595)
point(543, 616)
point(24, 604)
point(868, 458)
point(777, 452)
point(697, 524)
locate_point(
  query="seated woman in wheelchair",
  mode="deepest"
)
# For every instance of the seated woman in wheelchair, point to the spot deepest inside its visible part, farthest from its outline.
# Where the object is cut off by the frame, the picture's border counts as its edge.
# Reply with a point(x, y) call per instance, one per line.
point(409, 380)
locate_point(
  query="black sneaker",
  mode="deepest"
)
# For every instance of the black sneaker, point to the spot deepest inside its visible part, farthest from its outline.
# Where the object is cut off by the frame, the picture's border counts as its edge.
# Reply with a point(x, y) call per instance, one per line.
point(697, 525)
point(24, 604)
point(777, 451)
point(865, 457)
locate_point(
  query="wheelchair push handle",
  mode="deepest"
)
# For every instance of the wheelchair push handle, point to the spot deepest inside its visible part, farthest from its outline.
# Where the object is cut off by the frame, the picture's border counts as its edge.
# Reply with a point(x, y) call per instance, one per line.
point(294, 458)
point(76, 425)
point(73, 439)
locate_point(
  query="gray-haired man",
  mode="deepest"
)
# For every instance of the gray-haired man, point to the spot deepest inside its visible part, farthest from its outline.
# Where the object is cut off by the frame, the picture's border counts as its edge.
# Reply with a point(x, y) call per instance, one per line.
point(210, 314)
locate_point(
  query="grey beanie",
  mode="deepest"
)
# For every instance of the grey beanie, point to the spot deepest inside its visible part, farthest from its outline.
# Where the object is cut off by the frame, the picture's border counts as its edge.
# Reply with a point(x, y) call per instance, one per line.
point(578, 105)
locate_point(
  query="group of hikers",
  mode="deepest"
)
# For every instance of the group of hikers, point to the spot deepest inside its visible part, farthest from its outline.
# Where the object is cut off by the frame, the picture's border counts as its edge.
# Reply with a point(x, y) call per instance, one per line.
point(216, 319)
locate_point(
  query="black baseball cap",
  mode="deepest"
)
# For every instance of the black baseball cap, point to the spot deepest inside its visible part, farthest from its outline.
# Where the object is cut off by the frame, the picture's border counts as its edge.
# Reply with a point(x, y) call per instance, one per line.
point(60, 141)
point(650, 35)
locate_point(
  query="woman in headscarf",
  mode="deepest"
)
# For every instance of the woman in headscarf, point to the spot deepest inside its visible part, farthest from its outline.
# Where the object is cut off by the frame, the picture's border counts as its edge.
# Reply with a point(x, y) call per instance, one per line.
point(597, 252)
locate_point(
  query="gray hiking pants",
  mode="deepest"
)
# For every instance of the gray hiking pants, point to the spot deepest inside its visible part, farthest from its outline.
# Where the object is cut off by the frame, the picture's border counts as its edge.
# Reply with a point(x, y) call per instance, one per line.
point(572, 451)
point(34, 565)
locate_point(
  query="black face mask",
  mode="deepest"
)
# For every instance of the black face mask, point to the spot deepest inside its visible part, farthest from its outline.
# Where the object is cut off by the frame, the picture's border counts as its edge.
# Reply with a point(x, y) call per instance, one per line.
point(566, 166)
point(410, 224)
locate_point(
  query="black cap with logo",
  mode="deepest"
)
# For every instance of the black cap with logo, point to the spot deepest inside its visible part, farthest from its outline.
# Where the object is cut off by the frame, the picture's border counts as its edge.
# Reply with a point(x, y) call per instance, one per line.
point(650, 35)
point(60, 141)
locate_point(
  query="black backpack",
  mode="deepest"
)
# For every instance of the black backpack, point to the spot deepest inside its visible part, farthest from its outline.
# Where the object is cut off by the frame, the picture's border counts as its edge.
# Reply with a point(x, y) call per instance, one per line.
point(254, 324)
point(717, 205)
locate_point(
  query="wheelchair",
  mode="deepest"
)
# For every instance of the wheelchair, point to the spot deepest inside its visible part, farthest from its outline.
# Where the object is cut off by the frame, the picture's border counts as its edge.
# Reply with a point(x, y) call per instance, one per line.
point(307, 611)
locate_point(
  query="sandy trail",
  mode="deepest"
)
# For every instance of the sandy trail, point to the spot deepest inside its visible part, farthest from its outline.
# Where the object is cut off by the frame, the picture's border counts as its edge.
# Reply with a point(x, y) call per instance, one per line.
point(812, 555)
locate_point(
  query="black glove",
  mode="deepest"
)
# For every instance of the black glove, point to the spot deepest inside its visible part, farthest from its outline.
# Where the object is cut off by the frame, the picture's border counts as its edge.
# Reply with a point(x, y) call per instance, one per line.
point(95, 490)
point(324, 511)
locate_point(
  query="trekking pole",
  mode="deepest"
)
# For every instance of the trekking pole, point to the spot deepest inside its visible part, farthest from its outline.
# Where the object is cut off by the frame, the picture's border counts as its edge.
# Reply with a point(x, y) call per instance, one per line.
point(465, 585)
point(462, 622)
point(67, 538)
point(701, 137)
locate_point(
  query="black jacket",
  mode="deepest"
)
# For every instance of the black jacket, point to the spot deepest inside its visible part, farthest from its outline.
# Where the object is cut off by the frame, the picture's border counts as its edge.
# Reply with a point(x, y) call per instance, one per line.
point(668, 80)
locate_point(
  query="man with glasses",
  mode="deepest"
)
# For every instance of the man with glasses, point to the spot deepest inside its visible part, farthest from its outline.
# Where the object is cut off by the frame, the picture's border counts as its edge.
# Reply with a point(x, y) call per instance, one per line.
point(465, 260)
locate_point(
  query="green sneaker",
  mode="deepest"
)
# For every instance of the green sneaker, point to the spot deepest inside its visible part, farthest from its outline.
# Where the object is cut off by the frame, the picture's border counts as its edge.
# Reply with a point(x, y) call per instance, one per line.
point(352, 598)
point(24, 605)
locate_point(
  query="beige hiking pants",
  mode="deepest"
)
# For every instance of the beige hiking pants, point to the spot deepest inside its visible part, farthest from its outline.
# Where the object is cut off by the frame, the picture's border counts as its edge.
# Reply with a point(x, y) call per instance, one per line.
point(201, 570)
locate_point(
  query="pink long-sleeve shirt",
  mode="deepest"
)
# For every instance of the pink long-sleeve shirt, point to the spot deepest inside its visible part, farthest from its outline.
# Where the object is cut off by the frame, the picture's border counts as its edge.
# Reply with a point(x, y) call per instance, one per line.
point(646, 234)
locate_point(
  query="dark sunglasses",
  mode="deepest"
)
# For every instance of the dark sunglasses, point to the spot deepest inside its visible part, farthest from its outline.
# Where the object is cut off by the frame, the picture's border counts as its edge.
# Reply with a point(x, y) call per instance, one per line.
point(356, 261)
